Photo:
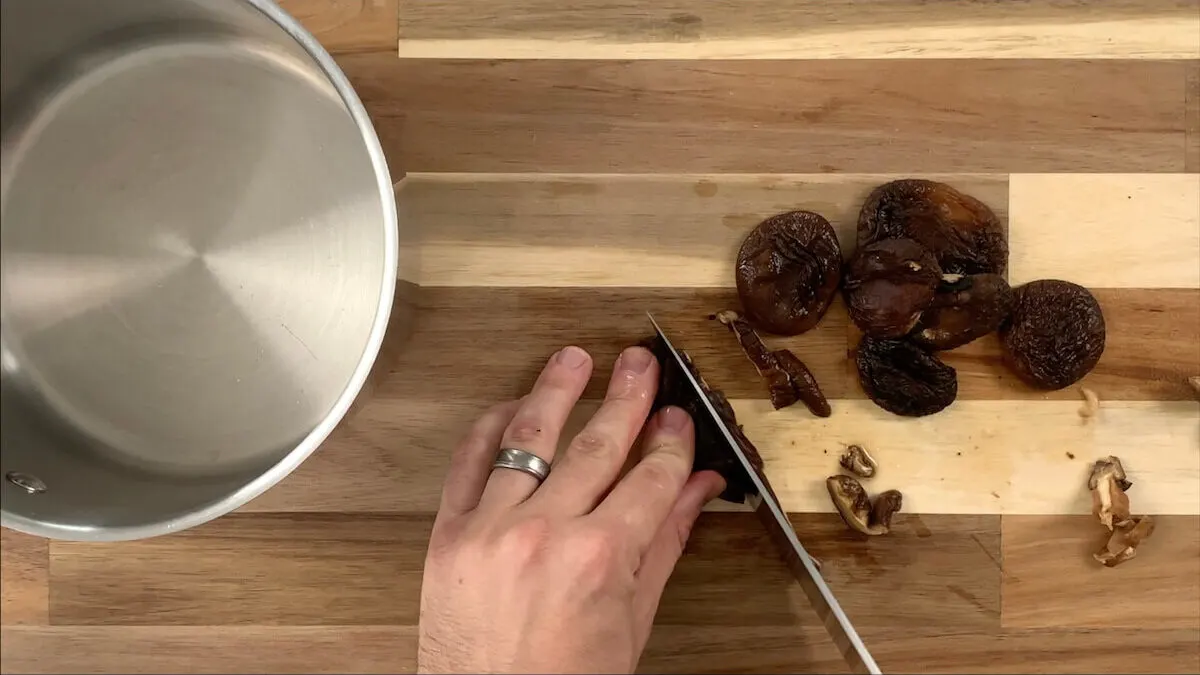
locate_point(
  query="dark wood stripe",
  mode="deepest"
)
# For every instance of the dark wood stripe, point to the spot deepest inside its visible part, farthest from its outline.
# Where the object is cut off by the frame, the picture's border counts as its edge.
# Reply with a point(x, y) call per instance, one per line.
point(332, 569)
point(1051, 579)
point(672, 649)
point(348, 27)
point(891, 116)
point(1151, 346)
point(1192, 151)
point(911, 649)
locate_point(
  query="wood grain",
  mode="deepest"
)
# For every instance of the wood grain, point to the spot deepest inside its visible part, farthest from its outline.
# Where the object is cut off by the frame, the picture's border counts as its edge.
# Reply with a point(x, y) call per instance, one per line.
point(632, 230)
point(1192, 121)
point(905, 649)
point(732, 568)
point(348, 26)
point(319, 569)
point(281, 569)
point(1015, 456)
point(440, 358)
point(1048, 565)
point(450, 115)
point(24, 579)
point(210, 649)
point(672, 649)
point(705, 29)
point(1106, 231)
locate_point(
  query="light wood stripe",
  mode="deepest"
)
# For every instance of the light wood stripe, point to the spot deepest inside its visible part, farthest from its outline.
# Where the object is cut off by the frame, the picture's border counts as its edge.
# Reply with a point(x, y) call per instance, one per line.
point(672, 649)
point(1048, 567)
point(705, 29)
point(676, 231)
point(393, 455)
point(348, 26)
point(24, 583)
point(463, 115)
point(1151, 348)
point(1119, 230)
point(1014, 454)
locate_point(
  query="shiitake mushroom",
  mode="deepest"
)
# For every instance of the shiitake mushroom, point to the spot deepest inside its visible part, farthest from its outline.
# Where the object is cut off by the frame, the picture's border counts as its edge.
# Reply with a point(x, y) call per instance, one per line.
point(1055, 335)
point(963, 310)
point(788, 379)
point(888, 285)
point(788, 270)
point(961, 232)
point(902, 378)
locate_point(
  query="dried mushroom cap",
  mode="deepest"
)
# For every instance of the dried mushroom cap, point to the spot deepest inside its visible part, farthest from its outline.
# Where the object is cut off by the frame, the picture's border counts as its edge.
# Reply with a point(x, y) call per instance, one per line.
point(964, 309)
point(788, 270)
point(961, 231)
point(1055, 335)
point(888, 284)
point(788, 379)
point(1122, 544)
point(902, 378)
point(1108, 485)
point(858, 461)
point(856, 508)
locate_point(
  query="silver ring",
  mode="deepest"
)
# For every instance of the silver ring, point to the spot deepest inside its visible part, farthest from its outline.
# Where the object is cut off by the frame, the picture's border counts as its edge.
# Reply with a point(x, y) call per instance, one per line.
point(512, 458)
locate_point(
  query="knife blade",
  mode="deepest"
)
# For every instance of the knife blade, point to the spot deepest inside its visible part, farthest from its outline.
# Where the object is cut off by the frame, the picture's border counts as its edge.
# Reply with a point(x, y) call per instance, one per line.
point(766, 506)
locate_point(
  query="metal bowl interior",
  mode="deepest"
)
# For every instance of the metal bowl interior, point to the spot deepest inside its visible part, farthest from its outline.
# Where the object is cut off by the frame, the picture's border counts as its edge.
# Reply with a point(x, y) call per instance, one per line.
point(197, 260)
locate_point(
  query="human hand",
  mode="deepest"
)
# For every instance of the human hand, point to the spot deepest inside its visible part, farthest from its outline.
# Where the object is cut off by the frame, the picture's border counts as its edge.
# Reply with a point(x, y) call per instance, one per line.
point(564, 576)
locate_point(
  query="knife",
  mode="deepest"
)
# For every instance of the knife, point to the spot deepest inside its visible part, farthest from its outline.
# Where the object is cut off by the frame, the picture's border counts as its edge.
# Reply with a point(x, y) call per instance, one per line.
point(764, 502)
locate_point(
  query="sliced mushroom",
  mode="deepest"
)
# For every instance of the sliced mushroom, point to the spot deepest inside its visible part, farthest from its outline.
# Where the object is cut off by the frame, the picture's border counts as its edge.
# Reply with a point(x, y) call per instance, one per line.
point(858, 461)
point(1122, 544)
point(1108, 485)
point(856, 508)
point(788, 379)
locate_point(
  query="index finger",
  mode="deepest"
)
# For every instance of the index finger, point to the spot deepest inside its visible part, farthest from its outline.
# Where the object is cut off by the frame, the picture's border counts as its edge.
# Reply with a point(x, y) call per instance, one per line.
point(643, 500)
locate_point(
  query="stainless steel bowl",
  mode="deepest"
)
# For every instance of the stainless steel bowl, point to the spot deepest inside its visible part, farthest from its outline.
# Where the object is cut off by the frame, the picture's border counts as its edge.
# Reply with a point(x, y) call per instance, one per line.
point(197, 259)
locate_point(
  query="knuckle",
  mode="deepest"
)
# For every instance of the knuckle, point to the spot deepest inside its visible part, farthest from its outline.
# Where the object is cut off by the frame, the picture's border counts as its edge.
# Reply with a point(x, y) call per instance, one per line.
point(524, 539)
point(595, 552)
point(590, 444)
point(525, 430)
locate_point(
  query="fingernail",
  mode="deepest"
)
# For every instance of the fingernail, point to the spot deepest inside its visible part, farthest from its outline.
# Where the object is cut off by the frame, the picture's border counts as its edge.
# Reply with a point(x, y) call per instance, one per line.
point(673, 419)
point(636, 359)
point(572, 357)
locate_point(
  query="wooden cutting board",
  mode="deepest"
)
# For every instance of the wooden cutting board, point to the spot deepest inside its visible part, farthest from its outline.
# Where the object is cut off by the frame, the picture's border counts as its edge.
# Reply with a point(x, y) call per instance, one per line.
point(568, 166)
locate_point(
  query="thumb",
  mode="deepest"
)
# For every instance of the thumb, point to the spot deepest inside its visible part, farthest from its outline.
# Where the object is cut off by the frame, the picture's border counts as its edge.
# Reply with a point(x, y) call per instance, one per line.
point(667, 546)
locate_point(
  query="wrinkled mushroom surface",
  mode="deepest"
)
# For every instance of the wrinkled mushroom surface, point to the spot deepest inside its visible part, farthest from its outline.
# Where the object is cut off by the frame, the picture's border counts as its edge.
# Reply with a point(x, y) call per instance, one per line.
point(788, 270)
point(963, 234)
point(1055, 335)
point(903, 378)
